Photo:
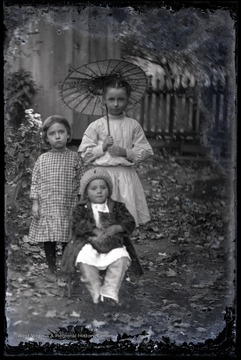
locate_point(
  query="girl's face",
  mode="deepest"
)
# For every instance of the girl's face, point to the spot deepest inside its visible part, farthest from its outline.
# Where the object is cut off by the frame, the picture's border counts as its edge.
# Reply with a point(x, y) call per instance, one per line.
point(97, 191)
point(116, 100)
point(57, 136)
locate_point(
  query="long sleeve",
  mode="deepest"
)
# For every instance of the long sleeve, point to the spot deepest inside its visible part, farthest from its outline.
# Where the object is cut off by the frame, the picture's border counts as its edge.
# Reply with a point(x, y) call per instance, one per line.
point(91, 145)
point(141, 149)
point(82, 223)
point(125, 219)
point(80, 167)
point(35, 185)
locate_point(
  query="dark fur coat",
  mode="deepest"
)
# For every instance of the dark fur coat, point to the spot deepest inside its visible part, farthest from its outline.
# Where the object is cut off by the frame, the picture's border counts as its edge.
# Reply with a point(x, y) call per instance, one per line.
point(83, 229)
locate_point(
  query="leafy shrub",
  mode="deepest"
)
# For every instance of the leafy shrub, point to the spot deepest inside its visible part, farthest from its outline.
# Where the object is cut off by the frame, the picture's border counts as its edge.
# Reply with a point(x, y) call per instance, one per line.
point(20, 92)
point(22, 148)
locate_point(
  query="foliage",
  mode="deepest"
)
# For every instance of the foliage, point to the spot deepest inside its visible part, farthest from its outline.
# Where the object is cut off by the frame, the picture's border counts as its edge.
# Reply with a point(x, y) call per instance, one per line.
point(22, 148)
point(21, 90)
point(201, 43)
point(189, 33)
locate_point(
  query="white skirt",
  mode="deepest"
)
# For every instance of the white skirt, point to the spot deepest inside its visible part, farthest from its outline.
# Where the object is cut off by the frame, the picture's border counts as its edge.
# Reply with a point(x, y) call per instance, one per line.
point(127, 188)
point(88, 255)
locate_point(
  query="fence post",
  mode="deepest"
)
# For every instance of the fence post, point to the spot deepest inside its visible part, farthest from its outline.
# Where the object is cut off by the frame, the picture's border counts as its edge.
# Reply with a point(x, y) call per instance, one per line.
point(195, 115)
point(156, 117)
point(149, 100)
point(142, 111)
point(164, 103)
point(225, 105)
point(217, 110)
point(172, 110)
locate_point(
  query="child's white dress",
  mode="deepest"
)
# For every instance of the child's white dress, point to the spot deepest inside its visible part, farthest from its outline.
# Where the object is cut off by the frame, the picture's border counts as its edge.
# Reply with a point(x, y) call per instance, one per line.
point(128, 134)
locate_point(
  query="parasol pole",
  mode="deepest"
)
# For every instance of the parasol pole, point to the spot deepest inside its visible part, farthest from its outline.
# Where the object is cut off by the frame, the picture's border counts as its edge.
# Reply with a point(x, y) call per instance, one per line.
point(107, 117)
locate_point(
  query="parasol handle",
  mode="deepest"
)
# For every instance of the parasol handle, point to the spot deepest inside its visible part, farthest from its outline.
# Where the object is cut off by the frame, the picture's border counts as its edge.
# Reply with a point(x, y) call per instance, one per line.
point(107, 117)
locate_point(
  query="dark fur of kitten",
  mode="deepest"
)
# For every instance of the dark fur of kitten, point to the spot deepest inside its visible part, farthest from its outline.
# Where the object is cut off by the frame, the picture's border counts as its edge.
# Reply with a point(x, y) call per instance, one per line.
point(103, 243)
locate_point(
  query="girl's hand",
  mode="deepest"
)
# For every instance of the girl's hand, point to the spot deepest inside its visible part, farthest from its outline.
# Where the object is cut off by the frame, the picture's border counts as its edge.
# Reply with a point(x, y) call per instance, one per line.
point(35, 209)
point(117, 151)
point(107, 142)
point(92, 239)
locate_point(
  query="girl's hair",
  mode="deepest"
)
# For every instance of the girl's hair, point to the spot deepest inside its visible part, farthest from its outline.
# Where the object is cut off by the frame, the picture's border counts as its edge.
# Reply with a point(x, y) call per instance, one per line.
point(117, 83)
point(53, 120)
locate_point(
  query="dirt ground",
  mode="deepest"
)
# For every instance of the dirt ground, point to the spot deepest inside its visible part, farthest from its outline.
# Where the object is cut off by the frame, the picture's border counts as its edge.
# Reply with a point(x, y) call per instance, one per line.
point(186, 250)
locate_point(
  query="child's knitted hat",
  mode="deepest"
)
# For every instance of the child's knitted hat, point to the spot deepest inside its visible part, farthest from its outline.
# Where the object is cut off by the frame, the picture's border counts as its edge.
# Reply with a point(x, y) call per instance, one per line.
point(92, 174)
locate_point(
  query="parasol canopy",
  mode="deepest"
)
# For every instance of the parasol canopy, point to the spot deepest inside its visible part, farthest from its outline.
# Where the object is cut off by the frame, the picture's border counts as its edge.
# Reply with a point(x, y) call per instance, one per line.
point(82, 89)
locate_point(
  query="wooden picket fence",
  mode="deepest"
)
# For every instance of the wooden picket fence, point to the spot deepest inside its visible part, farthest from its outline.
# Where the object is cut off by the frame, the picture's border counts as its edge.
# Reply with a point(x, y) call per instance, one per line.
point(168, 113)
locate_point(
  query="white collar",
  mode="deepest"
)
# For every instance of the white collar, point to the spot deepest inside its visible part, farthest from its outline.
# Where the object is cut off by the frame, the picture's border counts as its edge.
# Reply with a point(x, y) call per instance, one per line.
point(96, 208)
point(100, 207)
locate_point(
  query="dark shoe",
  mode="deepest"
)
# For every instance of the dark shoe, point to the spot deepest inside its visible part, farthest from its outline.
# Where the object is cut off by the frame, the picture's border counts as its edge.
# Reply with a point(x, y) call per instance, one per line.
point(51, 275)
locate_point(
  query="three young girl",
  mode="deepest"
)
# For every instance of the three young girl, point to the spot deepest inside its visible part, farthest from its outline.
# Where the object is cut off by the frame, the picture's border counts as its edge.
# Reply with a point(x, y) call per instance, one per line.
point(54, 190)
point(118, 152)
point(113, 186)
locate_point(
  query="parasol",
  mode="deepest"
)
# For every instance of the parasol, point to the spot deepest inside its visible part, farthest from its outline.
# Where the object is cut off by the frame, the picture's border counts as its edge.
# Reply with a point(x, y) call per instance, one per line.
point(82, 89)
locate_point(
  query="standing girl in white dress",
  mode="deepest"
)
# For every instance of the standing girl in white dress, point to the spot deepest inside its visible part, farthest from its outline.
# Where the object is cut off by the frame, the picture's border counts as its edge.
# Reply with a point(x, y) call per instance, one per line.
point(54, 190)
point(120, 151)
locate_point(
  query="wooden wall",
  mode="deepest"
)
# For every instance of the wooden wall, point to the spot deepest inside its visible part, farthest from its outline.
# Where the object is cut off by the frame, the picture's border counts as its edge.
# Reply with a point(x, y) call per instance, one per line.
point(49, 53)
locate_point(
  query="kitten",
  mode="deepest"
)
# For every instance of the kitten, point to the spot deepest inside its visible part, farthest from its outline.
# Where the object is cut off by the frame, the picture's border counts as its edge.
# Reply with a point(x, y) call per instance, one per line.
point(101, 242)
